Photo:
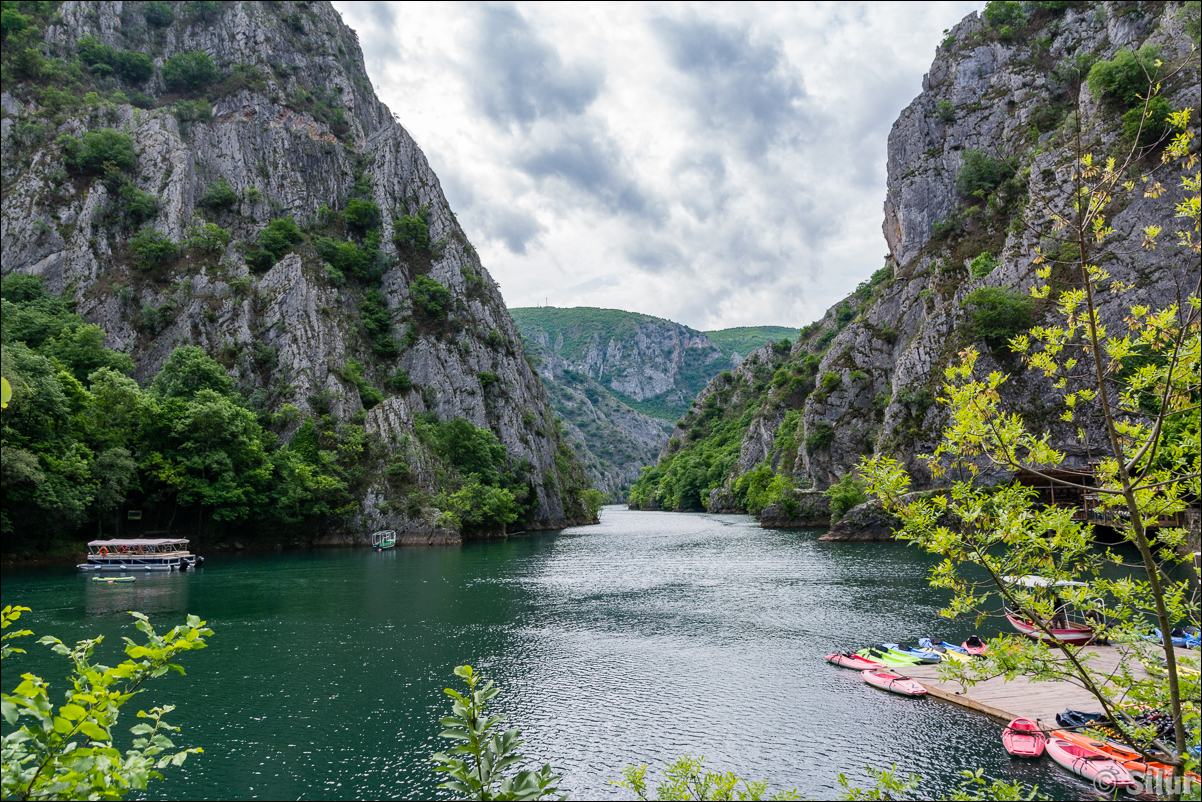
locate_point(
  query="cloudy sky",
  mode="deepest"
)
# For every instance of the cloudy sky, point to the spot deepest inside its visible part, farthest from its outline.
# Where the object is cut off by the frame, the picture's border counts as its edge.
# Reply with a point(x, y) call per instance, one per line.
point(715, 164)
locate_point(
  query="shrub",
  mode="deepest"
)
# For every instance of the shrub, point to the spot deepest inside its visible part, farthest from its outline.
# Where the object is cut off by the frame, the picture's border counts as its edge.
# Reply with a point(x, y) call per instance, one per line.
point(411, 234)
point(1125, 79)
point(999, 313)
point(345, 257)
point(218, 195)
point(848, 492)
point(820, 437)
point(88, 156)
point(135, 207)
point(202, 10)
point(377, 323)
point(13, 21)
point(399, 381)
point(104, 59)
point(430, 299)
point(981, 174)
point(945, 111)
point(1155, 125)
point(487, 379)
point(362, 215)
point(158, 13)
point(190, 72)
point(831, 382)
point(983, 265)
point(1006, 17)
point(152, 248)
point(253, 195)
point(274, 241)
point(209, 237)
point(193, 110)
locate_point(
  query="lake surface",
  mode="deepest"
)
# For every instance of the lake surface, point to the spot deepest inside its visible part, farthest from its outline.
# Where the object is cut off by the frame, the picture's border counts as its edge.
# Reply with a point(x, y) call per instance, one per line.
point(650, 636)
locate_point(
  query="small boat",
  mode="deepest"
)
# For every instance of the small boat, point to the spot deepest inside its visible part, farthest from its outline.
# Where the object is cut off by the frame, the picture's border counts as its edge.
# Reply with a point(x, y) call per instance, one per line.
point(1078, 720)
point(1023, 738)
point(927, 655)
point(1179, 637)
point(894, 683)
point(889, 657)
point(1089, 764)
point(974, 646)
point(935, 644)
point(1073, 635)
point(1129, 758)
point(384, 539)
point(111, 579)
point(849, 660)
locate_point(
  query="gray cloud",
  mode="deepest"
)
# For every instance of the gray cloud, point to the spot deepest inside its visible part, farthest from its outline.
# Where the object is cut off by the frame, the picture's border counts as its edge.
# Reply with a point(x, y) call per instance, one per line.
point(515, 227)
point(517, 77)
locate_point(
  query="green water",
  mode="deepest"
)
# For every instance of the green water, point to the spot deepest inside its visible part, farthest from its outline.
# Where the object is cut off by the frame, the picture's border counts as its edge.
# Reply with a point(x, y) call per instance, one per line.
point(649, 636)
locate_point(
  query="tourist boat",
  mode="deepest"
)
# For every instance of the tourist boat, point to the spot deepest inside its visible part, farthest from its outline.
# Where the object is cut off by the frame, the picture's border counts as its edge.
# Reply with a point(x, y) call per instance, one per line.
point(1089, 764)
point(140, 554)
point(1068, 626)
point(1129, 758)
point(384, 539)
point(849, 660)
point(1023, 738)
point(894, 683)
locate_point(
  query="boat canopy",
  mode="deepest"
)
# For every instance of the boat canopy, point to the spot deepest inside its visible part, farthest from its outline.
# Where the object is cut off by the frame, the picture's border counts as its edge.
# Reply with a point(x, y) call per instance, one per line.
point(1032, 581)
point(162, 541)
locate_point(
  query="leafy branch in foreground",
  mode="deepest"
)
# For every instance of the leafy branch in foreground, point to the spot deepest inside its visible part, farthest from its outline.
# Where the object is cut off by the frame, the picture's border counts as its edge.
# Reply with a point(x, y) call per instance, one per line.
point(67, 752)
point(1136, 388)
point(486, 750)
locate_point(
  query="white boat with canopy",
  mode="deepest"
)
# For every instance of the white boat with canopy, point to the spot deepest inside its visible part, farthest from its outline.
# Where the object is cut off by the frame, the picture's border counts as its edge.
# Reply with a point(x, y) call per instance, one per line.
point(140, 554)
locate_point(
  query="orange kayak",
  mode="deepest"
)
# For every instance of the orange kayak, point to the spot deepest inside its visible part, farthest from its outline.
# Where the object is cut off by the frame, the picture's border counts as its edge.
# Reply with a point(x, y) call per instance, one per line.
point(1127, 758)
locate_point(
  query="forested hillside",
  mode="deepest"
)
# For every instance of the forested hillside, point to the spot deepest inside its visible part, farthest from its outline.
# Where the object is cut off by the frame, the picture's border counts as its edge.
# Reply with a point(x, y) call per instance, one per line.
point(235, 297)
point(619, 380)
point(974, 164)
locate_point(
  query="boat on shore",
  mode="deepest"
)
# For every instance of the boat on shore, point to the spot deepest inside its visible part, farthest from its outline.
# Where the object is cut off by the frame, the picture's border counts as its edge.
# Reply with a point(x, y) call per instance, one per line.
point(1067, 625)
point(140, 554)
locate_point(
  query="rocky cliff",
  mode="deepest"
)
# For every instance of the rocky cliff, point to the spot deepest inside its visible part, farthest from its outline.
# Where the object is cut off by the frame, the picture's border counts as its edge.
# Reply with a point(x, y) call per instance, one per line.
point(242, 115)
point(973, 162)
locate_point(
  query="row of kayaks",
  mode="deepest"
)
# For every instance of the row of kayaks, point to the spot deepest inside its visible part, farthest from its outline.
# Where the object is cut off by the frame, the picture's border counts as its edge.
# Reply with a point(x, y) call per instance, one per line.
point(895, 655)
point(1104, 763)
point(1182, 638)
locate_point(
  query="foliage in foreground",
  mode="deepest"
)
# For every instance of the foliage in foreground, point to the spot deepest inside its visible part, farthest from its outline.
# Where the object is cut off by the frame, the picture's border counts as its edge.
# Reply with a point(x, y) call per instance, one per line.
point(66, 751)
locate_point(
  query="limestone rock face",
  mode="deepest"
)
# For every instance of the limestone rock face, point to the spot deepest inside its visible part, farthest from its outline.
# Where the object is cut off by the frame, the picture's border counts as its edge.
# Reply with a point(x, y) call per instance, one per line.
point(882, 351)
point(294, 126)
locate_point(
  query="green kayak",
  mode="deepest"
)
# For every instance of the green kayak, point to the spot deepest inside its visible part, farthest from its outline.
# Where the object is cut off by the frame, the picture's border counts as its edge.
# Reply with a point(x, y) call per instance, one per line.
point(890, 657)
point(111, 579)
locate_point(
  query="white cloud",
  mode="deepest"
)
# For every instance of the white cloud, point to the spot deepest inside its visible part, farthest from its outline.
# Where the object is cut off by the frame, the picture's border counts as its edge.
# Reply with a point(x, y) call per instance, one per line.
point(718, 165)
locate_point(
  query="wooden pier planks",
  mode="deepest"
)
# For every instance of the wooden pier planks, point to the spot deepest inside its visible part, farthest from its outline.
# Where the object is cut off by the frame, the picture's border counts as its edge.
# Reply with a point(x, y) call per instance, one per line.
point(1021, 698)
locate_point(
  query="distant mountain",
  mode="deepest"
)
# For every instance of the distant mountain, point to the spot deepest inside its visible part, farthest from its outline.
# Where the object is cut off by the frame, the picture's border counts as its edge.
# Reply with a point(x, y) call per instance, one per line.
point(619, 380)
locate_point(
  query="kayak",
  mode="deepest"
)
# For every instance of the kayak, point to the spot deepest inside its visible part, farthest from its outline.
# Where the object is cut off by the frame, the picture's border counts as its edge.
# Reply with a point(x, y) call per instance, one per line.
point(935, 644)
point(894, 683)
point(1128, 758)
point(974, 646)
point(1089, 764)
point(1178, 637)
point(1023, 738)
point(112, 579)
point(889, 657)
point(848, 660)
point(924, 654)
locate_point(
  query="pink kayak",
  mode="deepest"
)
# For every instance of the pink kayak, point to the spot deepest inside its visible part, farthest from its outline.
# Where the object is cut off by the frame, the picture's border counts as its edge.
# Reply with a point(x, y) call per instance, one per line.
point(895, 683)
point(853, 661)
point(974, 646)
point(1099, 769)
point(1023, 738)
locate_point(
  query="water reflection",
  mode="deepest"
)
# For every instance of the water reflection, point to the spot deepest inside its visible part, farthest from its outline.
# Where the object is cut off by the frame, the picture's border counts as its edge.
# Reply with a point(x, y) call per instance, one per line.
point(155, 594)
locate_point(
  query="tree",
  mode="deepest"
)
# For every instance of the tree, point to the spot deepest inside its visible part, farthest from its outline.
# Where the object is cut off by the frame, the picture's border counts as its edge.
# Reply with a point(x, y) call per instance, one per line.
point(1136, 386)
point(66, 751)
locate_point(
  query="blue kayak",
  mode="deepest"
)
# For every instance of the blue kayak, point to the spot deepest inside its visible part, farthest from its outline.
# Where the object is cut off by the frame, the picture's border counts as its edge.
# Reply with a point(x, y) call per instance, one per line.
point(934, 643)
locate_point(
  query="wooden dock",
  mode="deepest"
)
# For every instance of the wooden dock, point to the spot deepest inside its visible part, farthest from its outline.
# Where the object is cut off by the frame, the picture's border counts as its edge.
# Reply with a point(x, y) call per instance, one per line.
point(1021, 698)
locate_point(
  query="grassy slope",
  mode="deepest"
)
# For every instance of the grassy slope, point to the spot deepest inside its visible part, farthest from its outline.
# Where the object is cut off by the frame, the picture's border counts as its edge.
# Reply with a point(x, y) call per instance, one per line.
point(745, 339)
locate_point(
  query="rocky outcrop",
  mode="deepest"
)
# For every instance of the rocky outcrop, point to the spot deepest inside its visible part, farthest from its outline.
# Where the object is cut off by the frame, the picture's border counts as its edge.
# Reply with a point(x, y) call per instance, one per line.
point(803, 509)
point(294, 130)
point(864, 522)
point(880, 353)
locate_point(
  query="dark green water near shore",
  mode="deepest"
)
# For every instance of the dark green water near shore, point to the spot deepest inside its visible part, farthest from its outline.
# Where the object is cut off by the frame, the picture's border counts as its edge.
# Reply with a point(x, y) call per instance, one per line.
point(649, 636)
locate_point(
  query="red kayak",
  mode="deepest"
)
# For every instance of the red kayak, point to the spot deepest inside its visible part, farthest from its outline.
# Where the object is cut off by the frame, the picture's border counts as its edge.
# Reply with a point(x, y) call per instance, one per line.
point(1100, 769)
point(974, 646)
point(1023, 738)
point(848, 660)
point(894, 683)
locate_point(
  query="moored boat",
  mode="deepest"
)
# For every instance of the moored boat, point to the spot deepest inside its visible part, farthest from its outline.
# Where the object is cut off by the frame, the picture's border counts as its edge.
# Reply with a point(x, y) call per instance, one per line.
point(111, 579)
point(1023, 738)
point(889, 657)
point(384, 539)
point(1128, 758)
point(974, 646)
point(1073, 635)
point(849, 660)
point(894, 683)
point(140, 554)
point(1089, 764)
point(927, 655)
